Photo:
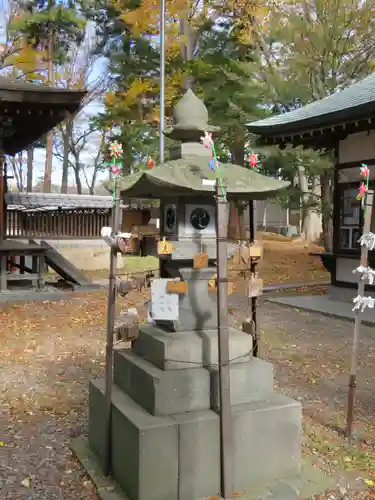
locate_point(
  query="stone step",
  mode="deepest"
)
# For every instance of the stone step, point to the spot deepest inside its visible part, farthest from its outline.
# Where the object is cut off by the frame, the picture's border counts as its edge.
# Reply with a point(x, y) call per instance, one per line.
point(144, 447)
point(191, 349)
point(161, 392)
point(178, 457)
point(266, 440)
point(252, 381)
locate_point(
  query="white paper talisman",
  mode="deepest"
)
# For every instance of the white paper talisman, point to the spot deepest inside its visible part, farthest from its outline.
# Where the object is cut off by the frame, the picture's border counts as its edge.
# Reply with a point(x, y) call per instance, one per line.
point(164, 305)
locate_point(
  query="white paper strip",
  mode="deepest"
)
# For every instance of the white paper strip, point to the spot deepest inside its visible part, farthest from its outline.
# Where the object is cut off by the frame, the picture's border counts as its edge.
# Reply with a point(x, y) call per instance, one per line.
point(360, 303)
point(367, 240)
point(366, 273)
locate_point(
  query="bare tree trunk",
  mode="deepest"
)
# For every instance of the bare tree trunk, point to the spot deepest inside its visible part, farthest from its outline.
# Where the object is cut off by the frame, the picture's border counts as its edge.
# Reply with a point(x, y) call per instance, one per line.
point(311, 219)
point(93, 181)
point(16, 173)
point(67, 133)
point(49, 149)
point(326, 186)
point(30, 165)
point(186, 45)
point(77, 172)
point(78, 180)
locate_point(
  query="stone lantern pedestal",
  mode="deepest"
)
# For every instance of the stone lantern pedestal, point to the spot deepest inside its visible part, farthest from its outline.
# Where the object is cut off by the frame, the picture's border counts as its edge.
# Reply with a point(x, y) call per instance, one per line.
point(165, 434)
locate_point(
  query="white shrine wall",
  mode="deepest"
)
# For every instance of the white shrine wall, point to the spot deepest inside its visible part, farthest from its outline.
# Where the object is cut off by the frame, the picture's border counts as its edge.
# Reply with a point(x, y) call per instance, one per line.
point(358, 148)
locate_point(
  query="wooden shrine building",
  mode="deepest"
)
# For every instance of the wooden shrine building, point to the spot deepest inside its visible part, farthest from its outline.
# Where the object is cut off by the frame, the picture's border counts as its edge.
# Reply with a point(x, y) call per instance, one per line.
point(27, 112)
point(345, 123)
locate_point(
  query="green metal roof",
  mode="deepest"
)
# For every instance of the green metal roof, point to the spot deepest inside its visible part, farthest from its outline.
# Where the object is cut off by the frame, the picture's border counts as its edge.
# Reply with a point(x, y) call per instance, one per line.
point(356, 102)
point(185, 177)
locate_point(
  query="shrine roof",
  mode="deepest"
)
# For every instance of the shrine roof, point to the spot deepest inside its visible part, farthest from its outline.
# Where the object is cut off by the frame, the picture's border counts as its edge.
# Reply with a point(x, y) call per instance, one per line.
point(185, 177)
point(53, 201)
point(28, 111)
point(356, 102)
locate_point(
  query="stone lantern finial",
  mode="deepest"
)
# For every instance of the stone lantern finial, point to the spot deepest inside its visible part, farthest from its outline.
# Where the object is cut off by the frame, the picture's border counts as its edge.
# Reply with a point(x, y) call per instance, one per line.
point(191, 119)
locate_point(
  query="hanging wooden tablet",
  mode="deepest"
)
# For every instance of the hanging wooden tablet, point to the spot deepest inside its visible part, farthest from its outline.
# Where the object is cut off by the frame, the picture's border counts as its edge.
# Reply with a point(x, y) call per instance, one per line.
point(164, 247)
point(177, 287)
point(212, 286)
point(231, 287)
point(200, 260)
point(254, 286)
point(256, 251)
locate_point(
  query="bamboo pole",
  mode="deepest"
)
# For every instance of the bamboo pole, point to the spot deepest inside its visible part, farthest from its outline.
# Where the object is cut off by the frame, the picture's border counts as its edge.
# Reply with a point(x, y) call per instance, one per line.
point(111, 306)
point(226, 439)
point(357, 322)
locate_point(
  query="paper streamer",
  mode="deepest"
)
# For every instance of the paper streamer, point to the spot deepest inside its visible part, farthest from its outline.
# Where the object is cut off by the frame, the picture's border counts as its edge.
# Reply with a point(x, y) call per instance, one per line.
point(361, 303)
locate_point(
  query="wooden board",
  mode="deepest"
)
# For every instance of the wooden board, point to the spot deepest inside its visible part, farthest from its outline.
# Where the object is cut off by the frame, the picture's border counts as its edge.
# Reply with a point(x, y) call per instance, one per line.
point(256, 251)
point(200, 261)
point(177, 287)
point(165, 247)
point(254, 287)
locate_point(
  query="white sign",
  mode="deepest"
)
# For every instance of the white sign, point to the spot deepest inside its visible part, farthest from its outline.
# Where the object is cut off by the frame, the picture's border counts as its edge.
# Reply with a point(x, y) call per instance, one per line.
point(164, 305)
point(208, 182)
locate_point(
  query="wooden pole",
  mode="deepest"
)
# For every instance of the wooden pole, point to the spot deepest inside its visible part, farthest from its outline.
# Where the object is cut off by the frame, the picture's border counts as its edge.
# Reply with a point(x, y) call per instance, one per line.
point(357, 323)
point(111, 306)
point(226, 440)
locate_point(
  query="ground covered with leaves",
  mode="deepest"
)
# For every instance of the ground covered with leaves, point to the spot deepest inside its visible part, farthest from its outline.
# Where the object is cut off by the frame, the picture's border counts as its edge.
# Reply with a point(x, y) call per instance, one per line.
point(50, 350)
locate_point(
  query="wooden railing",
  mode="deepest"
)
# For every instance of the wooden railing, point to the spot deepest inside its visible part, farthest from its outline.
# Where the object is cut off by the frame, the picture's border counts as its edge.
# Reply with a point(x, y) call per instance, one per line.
point(80, 223)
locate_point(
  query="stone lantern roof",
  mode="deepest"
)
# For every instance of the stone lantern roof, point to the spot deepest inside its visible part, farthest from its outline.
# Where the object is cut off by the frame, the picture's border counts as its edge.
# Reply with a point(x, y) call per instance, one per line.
point(188, 173)
point(191, 119)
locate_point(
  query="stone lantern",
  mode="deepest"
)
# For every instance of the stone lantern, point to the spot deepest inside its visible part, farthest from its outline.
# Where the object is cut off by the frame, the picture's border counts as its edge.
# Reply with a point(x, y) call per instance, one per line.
point(165, 422)
point(185, 187)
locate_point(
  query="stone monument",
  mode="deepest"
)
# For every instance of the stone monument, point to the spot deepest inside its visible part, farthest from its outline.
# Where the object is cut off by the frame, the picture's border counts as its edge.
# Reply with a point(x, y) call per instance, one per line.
point(165, 423)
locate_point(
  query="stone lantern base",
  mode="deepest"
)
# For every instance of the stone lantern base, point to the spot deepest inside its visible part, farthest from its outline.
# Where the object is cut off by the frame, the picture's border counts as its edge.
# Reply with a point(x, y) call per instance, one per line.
point(165, 423)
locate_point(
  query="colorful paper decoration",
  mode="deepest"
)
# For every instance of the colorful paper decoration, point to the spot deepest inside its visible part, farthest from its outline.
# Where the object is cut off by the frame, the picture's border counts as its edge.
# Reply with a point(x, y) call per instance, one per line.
point(363, 188)
point(150, 163)
point(115, 150)
point(253, 160)
point(207, 140)
point(208, 143)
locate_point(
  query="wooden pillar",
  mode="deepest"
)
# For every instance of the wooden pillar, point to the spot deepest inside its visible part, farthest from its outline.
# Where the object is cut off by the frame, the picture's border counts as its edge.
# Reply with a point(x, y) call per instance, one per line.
point(2, 197)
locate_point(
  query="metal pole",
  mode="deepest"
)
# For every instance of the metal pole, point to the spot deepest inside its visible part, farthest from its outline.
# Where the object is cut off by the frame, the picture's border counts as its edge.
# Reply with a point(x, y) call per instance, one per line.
point(111, 305)
point(255, 331)
point(2, 195)
point(357, 322)
point(226, 440)
point(162, 80)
